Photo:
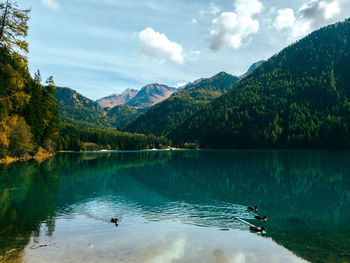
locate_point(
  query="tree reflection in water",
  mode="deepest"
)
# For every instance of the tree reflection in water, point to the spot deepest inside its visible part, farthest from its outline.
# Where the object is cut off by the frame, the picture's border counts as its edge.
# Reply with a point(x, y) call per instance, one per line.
point(306, 194)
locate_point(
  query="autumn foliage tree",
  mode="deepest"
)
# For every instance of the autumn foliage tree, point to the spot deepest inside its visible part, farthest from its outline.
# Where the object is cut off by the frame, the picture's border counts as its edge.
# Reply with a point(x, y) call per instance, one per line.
point(29, 117)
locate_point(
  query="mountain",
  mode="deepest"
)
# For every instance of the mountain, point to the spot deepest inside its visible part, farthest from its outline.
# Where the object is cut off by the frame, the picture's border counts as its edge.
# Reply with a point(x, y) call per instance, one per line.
point(254, 66)
point(83, 112)
point(121, 115)
point(195, 82)
point(151, 95)
point(117, 99)
point(77, 109)
point(298, 98)
point(167, 115)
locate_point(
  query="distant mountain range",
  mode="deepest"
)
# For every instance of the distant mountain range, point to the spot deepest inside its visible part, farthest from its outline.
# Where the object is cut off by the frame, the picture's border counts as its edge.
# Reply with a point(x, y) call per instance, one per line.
point(116, 110)
point(117, 99)
point(168, 106)
point(151, 95)
point(146, 97)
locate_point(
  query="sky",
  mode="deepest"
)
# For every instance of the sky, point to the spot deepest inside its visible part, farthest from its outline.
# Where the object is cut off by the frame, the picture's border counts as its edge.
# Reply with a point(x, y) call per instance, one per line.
point(100, 47)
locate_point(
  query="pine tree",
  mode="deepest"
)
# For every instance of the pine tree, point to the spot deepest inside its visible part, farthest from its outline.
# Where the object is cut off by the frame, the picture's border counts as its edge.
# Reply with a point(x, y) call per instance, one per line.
point(50, 81)
point(21, 138)
point(51, 86)
point(37, 78)
point(14, 27)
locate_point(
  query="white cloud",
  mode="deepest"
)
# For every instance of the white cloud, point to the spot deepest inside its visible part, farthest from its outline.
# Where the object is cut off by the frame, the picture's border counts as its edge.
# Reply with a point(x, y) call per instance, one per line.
point(330, 9)
point(285, 19)
point(155, 44)
point(181, 85)
point(248, 7)
point(232, 28)
point(192, 55)
point(165, 253)
point(213, 10)
point(319, 11)
point(52, 4)
point(194, 21)
point(310, 16)
point(300, 29)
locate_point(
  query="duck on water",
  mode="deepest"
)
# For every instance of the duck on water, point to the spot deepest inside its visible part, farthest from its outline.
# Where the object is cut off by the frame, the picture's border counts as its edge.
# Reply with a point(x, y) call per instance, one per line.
point(263, 218)
point(115, 220)
point(252, 208)
point(262, 230)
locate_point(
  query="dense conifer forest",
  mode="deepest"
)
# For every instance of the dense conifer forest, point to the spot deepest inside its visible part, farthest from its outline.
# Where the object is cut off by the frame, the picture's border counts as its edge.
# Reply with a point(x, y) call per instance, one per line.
point(169, 114)
point(298, 98)
point(77, 109)
point(84, 112)
point(29, 116)
point(87, 138)
point(122, 115)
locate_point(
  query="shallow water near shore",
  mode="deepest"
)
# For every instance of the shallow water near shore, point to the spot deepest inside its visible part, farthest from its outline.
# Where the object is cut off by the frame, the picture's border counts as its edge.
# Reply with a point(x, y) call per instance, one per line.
point(177, 206)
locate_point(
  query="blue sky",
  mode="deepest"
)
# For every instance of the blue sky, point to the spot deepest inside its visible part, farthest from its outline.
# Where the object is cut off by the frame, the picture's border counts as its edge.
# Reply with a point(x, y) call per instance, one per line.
point(105, 46)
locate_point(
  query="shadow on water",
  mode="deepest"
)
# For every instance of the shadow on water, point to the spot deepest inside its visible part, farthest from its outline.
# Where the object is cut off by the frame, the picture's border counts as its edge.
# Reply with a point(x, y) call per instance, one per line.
point(28, 193)
point(305, 194)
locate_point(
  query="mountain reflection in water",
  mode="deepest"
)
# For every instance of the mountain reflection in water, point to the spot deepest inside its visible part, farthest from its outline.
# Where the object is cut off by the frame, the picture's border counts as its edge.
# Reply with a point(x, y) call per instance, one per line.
point(172, 206)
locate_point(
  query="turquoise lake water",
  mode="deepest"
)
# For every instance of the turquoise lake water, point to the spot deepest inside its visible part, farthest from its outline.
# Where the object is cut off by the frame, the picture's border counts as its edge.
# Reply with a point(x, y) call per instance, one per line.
point(177, 206)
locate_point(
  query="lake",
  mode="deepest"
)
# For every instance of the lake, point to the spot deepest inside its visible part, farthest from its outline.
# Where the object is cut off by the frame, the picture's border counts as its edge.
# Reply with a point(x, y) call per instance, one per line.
point(177, 206)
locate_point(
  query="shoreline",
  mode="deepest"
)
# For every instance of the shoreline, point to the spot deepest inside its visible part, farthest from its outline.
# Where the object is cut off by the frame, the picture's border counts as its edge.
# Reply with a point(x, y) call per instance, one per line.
point(39, 158)
point(109, 151)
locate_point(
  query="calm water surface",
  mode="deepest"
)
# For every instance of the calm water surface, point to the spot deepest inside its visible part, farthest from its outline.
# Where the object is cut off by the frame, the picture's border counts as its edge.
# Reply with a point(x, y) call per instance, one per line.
point(177, 206)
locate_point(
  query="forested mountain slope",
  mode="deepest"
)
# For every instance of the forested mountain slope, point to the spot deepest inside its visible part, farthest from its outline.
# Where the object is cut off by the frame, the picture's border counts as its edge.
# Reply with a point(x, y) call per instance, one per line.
point(77, 109)
point(298, 98)
point(81, 111)
point(121, 115)
point(167, 115)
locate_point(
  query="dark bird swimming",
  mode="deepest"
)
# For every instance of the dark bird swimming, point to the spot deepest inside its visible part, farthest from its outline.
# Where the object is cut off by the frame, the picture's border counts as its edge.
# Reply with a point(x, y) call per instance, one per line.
point(258, 229)
point(252, 208)
point(115, 220)
point(264, 218)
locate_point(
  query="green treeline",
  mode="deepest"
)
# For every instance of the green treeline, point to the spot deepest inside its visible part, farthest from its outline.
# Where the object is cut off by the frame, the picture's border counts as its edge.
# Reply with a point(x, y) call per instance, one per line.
point(76, 138)
point(29, 116)
point(298, 98)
